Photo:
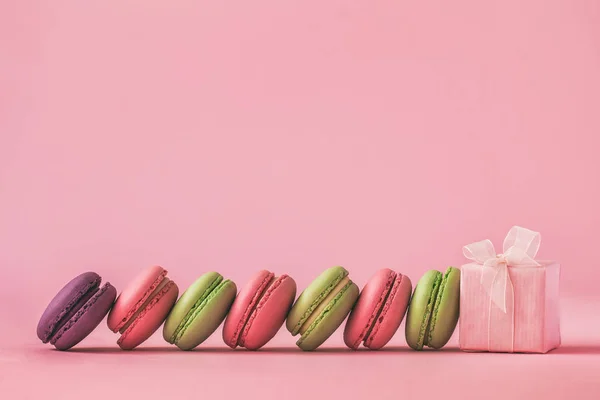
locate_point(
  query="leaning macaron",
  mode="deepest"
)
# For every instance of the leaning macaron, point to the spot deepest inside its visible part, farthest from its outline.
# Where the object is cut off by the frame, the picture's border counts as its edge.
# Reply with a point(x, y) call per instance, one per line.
point(142, 307)
point(379, 310)
point(259, 310)
point(199, 311)
point(434, 309)
point(76, 311)
point(322, 307)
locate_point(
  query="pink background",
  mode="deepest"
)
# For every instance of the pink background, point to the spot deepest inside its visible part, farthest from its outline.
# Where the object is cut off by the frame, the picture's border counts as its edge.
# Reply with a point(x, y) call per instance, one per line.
point(294, 135)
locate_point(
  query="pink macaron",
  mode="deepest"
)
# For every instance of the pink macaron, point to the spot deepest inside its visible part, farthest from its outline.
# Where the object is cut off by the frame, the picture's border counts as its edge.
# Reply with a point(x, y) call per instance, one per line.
point(142, 307)
point(379, 310)
point(259, 310)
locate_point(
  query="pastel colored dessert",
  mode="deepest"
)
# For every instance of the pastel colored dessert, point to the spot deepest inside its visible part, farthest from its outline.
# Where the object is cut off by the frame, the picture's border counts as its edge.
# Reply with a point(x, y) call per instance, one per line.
point(322, 307)
point(434, 309)
point(142, 307)
point(379, 310)
point(259, 310)
point(199, 311)
point(76, 311)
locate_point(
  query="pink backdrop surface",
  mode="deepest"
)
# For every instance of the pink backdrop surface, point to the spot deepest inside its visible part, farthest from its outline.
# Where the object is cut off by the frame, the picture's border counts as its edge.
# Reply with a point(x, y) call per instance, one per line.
point(294, 135)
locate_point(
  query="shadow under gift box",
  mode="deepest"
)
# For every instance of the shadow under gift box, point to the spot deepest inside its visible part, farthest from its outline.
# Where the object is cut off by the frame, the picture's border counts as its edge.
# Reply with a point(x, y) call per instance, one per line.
point(531, 322)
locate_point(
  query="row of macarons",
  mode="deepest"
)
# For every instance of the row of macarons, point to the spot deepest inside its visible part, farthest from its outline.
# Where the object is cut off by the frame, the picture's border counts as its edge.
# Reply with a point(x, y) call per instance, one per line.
point(255, 314)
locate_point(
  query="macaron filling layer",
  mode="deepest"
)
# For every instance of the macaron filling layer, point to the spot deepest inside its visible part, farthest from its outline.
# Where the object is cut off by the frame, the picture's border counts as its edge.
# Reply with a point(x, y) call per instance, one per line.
point(202, 302)
point(436, 308)
point(238, 337)
point(320, 299)
point(156, 292)
point(324, 304)
point(141, 304)
point(386, 304)
point(90, 300)
point(424, 331)
point(273, 285)
point(76, 303)
point(377, 310)
point(321, 314)
point(186, 320)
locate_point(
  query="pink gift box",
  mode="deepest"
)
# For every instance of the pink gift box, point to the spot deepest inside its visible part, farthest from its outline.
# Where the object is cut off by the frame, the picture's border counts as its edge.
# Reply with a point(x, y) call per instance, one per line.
point(510, 302)
point(485, 327)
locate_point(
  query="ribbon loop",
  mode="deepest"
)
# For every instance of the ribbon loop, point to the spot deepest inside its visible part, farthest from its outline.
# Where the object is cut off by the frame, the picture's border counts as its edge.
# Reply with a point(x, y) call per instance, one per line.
point(480, 252)
point(523, 245)
point(520, 248)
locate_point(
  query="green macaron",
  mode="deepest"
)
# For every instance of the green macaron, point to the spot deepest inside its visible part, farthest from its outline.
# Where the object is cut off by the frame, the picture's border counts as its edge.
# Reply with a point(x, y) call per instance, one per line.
point(199, 311)
point(434, 308)
point(322, 307)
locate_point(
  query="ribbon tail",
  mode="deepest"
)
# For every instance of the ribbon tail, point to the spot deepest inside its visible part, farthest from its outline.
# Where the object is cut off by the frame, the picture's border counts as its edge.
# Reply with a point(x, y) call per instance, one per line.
point(501, 322)
point(511, 309)
point(499, 287)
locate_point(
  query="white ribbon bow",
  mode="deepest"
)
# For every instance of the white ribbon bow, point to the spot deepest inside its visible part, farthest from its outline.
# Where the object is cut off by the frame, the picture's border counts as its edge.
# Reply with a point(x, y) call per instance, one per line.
point(520, 247)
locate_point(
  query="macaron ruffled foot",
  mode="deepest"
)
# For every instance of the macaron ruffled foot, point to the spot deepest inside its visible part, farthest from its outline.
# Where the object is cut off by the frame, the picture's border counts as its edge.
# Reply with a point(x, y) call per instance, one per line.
point(75, 311)
point(434, 309)
point(142, 307)
point(199, 311)
point(379, 310)
point(322, 307)
point(259, 310)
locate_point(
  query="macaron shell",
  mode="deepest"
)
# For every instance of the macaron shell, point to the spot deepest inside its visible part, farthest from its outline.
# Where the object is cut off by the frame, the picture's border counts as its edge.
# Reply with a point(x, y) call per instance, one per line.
point(270, 313)
point(447, 313)
point(187, 301)
point(418, 310)
point(242, 307)
point(150, 319)
point(64, 301)
point(332, 320)
point(309, 298)
point(134, 296)
point(370, 302)
point(208, 319)
point(87, 319)
point(392, 314)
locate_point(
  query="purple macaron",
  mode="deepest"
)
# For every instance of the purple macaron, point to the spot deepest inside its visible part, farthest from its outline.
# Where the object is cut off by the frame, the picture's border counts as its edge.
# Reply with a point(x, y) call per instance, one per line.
point(76, 311)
